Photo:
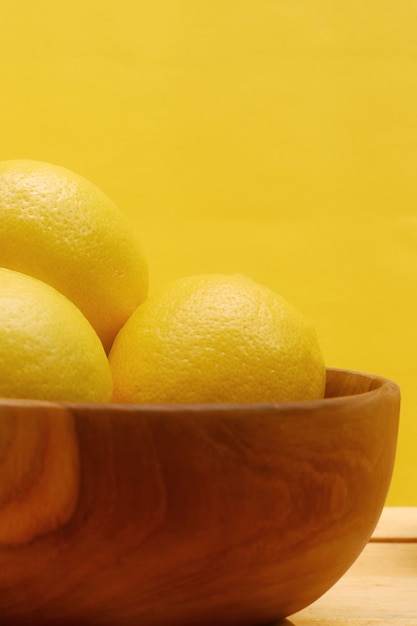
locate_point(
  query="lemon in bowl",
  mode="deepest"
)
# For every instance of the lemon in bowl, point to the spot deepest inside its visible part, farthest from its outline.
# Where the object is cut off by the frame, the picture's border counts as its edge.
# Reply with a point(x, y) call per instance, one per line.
point(48, 349)
point(59, 227)
point(216, 338)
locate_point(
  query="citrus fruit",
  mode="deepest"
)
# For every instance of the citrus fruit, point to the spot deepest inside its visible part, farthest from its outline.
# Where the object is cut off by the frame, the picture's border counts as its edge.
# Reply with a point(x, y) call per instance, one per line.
point(48, 349)
point(59, 227)
point(216, 338)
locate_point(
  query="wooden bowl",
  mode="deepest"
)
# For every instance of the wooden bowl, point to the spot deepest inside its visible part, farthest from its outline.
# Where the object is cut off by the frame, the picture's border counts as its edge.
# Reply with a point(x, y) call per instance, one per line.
point(184, 515)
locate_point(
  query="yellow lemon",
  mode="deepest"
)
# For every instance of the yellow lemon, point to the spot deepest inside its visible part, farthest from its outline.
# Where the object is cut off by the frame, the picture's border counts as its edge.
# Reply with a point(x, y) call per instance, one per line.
point(59, 227)
point(216, 338)
point(48, 349)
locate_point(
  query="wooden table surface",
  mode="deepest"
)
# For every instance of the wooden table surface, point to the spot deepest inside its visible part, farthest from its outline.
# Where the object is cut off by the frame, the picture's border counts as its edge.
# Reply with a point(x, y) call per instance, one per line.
point(381, 587)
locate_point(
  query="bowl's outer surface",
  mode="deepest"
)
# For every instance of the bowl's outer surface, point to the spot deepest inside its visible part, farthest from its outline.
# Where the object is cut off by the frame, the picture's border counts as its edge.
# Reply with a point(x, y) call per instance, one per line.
point(178, 516)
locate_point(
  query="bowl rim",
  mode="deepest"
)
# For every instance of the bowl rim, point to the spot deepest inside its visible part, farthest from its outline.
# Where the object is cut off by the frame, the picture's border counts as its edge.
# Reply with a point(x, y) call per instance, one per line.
point(381, 385)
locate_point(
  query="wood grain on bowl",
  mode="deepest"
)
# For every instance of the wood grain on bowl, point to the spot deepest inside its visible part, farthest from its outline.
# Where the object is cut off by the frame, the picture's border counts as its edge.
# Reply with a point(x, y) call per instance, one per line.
point(183, 515)
point(39, 475)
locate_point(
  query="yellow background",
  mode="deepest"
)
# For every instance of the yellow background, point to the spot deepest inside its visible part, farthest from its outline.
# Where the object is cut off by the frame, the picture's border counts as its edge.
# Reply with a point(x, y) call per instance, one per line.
point(276, 138)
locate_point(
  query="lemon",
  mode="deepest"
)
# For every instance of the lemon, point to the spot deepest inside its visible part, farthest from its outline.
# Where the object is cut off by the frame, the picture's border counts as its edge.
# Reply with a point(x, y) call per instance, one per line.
point(59, 227)
point(216, 338)
point(48, 349)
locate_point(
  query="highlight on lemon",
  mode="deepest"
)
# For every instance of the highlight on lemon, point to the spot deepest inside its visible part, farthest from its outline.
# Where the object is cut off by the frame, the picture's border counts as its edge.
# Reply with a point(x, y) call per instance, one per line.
point(60, 228)
point(216, 338)
point(48, 349)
